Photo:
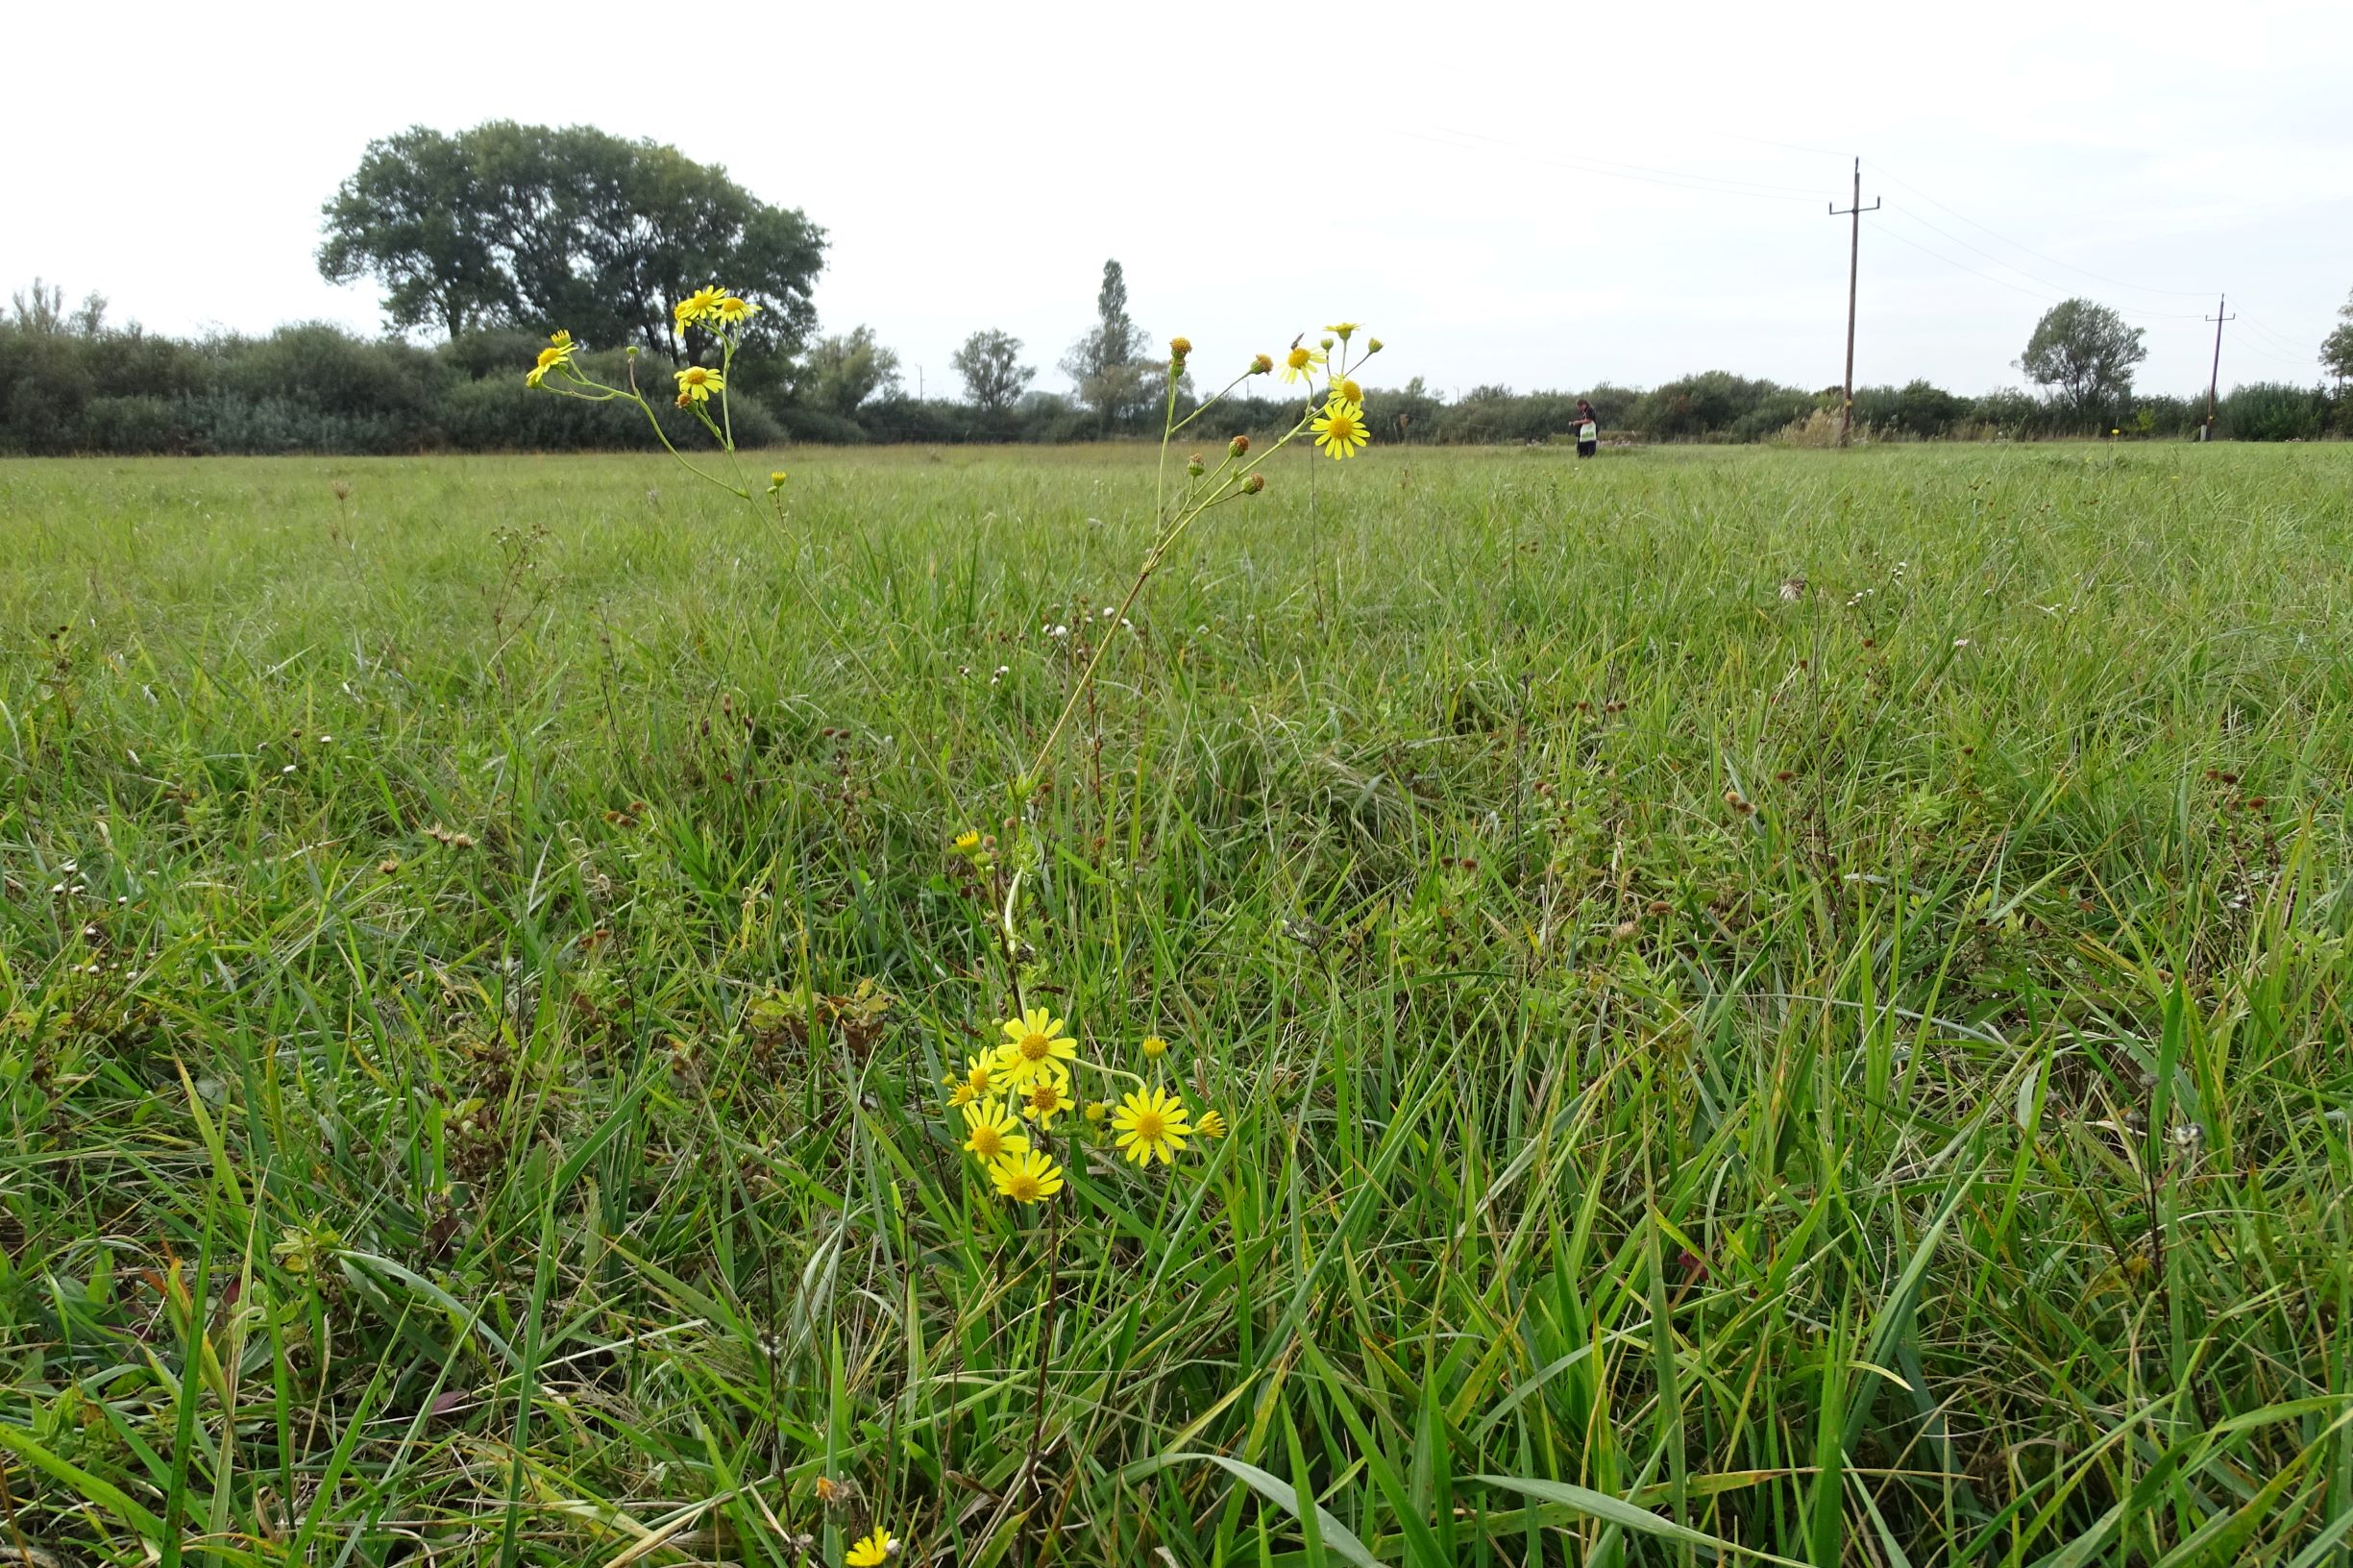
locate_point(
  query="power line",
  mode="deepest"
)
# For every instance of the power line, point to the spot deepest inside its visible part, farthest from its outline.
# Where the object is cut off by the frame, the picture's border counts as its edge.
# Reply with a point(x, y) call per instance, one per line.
point(1668, 178)
point(2261, 353)
point(2141, 288)
point(2277, 339)
point(2058, 289)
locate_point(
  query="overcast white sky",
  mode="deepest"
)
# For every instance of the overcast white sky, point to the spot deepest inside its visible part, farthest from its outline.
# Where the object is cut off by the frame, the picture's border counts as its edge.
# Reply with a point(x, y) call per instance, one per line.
point(1542, 195)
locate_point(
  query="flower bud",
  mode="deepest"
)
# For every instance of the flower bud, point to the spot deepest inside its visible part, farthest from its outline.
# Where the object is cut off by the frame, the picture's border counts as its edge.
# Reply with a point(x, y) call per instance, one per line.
point(1262, 364)
point(1193, 467)
point(1327, 343)
point(1180, 346)
point(1238, 446)
point(1255, 483)
point(1372, 344)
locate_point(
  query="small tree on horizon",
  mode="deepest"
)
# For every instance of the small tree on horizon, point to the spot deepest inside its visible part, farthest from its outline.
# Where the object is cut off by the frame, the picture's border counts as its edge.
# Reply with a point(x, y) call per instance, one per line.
point(846, 370)
point(990, 366)
point(2336, 349)
point(2084, 353)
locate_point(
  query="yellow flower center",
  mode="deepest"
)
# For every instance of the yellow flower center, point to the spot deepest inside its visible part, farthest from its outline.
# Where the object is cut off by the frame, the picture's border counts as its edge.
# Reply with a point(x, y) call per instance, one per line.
point(1035, 1047)
point(1343, 426)
point(1024, 1188)
point(1046, 1097)
point(697, 376)
point(1298, 358)
point(1351, 391)
point(1150, 1126)
point(986, 1141)
point(550, 357)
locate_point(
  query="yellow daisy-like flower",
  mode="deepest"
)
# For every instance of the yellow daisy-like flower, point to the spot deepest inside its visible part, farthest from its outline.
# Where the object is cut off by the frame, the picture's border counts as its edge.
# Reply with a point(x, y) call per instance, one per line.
point(967, 841)
point(1341, 329)
point(1028, 1177)
point(1211, 1125)
point(1340, 431)
point(558, 352)
point(1346, 390)
point(872, 1551)
point(1034, 1046)
point(1044, 1099)
point(991, 1132)
point(697, 384)
point(698, 305)
point(1151, 1123)
point(733, 311)
point(1298, 364)
point(978, 1083)
point(1154, 1047)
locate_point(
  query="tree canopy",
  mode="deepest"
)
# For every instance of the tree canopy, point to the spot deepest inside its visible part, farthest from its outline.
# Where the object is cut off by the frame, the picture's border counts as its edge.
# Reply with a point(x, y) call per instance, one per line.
point(2084, 353)
point(528, 225)
point(2336, 349)
point(990, 366)
point(846, 370)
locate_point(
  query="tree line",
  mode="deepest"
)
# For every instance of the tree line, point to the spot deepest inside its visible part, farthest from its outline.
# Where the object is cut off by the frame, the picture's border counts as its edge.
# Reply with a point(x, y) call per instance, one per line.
point(488, 239)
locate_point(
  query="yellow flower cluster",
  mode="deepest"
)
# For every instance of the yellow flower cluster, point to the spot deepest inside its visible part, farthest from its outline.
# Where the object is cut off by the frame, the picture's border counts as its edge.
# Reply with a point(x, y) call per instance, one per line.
point(713, 307)
point(1340, 428)
point(1025, 1083)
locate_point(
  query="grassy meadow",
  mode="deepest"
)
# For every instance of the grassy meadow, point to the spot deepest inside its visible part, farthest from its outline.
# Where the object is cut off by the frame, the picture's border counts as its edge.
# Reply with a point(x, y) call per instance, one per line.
point(1770, 1006)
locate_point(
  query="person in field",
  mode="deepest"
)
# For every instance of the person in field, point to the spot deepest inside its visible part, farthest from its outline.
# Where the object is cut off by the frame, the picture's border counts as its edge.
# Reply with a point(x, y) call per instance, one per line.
point(1588, 430)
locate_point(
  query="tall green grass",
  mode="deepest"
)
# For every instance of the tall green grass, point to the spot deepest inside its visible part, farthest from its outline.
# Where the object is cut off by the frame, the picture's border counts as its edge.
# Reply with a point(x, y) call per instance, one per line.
point(1773, 1005)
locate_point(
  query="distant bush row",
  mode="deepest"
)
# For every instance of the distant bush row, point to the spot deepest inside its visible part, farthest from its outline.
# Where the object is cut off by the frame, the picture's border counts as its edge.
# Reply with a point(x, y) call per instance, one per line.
point(67, 388)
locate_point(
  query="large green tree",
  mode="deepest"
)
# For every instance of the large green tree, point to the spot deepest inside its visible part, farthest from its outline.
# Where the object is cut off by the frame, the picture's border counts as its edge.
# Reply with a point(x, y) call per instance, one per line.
point(1108, 366)
point(990, 366)
point(414, 215)
point(2084, 353)
point(565, 227)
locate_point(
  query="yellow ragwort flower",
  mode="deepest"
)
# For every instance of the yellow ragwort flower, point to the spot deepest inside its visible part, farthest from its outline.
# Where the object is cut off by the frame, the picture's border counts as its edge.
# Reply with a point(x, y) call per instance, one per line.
point(1154, 1047)
point(874, 1551)
point(967, 841)
point(1346, 390)
point(1151, 1123)
point(1341, 329)
point(1340, 431)
point(731, 311)
point(1028, 1177)
point(1211, 1125)
point(978, 1083)
point(558, 352)
point(1297, 364)
point(697, 384)
point(1044, 1099)
point(992, 1133)
point(1035, 1047)
point(698, 305)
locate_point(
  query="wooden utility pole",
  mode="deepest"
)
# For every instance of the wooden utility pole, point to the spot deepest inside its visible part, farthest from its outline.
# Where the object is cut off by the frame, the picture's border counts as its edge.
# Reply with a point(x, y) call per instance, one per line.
point(2214, 382)
point(1854, 262)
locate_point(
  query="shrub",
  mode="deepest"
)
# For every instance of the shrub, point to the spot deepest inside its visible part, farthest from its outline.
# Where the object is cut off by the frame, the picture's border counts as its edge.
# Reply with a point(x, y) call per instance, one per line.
point(2273, 411)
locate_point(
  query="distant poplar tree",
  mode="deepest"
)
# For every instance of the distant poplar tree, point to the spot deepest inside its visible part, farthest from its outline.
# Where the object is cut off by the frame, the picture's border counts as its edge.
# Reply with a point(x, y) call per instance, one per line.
point(1108, 365)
